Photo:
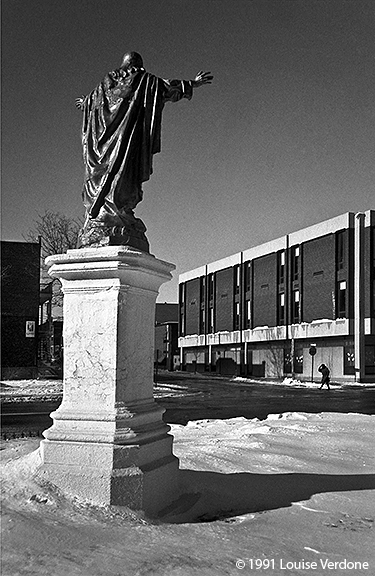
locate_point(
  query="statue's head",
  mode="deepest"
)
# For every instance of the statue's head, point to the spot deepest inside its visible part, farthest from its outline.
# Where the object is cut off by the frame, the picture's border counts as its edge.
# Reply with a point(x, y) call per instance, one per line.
point(131, 60)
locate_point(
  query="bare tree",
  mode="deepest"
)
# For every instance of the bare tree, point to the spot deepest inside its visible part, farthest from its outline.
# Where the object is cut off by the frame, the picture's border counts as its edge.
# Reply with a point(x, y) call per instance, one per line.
point(58, 232)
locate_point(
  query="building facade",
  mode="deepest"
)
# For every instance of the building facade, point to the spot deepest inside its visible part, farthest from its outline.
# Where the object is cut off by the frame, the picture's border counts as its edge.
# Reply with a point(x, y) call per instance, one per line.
point(285, 307)
point(20, 272)
point(50, 325)
point(166, 336)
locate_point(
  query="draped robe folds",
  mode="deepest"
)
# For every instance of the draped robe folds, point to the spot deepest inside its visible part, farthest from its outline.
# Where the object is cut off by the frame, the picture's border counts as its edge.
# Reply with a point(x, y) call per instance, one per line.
point(120, 134)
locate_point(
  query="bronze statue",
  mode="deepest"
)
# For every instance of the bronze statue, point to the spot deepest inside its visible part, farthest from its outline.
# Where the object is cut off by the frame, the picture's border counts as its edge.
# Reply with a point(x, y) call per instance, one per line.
point(121, 132)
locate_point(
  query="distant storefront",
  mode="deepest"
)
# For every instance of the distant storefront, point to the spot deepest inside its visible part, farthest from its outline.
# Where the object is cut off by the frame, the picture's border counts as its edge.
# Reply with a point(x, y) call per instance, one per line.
point(50, 350)
point(166, 336)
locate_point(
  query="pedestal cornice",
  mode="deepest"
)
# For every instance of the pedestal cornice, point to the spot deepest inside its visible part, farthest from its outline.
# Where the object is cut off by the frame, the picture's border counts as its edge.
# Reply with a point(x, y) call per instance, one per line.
point(128, 265)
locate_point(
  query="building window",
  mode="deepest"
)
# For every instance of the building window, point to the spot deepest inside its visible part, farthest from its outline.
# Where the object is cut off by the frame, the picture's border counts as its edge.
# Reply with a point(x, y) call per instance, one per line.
point(202, 308)
point(295, 262)
point(287, 360)
point(281, 309)
point(247, 314)
point(211, 287)
point(211, 302)
point(237, 316)
point(182, 308)
point(296, 310)
point(341, 300)
point(298, 360)
point(212, 320)
point(370, 359)
point(349, 360)
point(293, 358)
point(340, 250)
point(281, 267)
point(247, 276)
point(237, 279)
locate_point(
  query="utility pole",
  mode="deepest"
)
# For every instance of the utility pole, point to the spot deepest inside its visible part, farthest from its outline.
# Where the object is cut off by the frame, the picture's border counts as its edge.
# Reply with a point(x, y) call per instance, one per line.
point(312, 352)
point(359, 298)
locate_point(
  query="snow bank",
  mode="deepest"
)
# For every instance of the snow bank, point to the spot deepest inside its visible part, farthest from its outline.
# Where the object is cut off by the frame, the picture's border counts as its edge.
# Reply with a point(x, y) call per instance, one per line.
point(286, 382)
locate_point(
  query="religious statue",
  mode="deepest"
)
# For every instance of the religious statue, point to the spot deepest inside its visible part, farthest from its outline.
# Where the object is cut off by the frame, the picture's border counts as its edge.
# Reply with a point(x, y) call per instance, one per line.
point(121, 132)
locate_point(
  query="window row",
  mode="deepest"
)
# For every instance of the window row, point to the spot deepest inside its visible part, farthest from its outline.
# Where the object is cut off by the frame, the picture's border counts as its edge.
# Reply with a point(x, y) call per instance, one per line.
point(239, 311)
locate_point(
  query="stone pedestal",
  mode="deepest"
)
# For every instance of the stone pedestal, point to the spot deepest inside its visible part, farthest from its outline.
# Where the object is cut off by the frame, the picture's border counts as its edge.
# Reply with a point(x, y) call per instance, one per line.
point(108, 442)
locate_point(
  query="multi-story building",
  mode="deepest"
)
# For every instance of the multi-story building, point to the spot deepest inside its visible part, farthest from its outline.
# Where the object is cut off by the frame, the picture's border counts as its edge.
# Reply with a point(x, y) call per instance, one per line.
point(285, 307)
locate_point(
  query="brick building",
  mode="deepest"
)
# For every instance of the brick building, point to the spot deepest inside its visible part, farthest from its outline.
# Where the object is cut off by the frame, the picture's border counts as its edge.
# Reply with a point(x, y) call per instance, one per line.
point(260, 311)
point(20, 271)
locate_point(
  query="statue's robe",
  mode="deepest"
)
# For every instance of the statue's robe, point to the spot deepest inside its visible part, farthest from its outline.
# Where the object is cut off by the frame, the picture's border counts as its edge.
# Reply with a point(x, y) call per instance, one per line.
point(120, 134)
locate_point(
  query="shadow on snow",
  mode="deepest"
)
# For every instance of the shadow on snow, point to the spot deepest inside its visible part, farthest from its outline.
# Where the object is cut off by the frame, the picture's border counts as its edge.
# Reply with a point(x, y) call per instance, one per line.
point(213, 496)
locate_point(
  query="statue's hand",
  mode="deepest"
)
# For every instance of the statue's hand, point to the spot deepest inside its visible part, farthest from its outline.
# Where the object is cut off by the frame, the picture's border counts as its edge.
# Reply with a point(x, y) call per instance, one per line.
point(79, 102)
point(202, 78)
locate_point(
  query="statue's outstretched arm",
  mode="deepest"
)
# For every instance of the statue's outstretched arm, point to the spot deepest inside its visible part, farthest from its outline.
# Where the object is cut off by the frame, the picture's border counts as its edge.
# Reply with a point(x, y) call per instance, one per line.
point(201, 78)
point(177, 89)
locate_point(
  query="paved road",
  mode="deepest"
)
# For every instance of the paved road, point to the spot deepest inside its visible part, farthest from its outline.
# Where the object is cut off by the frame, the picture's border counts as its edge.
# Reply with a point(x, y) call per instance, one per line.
point(212, 397)
point(194, 397)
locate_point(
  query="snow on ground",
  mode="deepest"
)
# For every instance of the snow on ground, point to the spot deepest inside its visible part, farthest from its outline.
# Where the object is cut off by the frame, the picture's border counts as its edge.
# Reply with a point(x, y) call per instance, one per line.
point(291, 489)
point(35, 389)
point(294, 382)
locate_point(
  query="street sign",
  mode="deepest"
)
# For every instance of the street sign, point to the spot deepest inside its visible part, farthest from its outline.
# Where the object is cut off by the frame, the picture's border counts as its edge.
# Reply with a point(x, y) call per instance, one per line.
point(312, 350)
point(30, 329)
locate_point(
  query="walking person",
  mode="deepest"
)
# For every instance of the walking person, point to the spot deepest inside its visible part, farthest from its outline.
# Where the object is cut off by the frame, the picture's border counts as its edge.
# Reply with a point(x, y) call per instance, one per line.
point(325, 376)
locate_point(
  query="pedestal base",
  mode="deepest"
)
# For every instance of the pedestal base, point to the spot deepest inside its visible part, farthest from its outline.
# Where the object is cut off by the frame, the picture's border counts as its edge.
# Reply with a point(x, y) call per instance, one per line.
point(113, 475)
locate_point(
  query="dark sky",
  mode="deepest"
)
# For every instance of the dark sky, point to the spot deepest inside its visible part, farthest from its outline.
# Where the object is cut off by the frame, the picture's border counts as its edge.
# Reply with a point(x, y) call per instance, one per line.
point(282, 139)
